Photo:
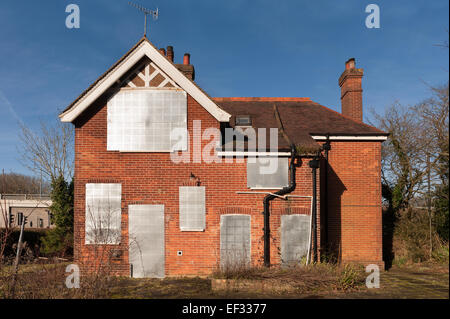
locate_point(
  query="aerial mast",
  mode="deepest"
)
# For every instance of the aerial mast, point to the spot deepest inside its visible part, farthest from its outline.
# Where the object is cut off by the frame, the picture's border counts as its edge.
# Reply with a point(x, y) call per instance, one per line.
point(146, 12)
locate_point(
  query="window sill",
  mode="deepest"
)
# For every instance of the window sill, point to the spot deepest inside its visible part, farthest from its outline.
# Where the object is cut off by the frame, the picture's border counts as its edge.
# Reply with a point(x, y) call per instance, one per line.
point(192, 229)
point(100, 243)
point(265, 188)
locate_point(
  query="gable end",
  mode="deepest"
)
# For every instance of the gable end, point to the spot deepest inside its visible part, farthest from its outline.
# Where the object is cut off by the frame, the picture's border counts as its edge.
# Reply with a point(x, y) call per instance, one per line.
point(143, 48)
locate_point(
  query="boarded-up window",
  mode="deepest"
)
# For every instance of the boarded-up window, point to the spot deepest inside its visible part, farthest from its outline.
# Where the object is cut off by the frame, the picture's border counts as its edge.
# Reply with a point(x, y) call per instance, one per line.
point(295, 234)
point(234, 241)
point(103, 213)
point(268, 172)
point(142, 121)
point(192, 208)
point(146, 240)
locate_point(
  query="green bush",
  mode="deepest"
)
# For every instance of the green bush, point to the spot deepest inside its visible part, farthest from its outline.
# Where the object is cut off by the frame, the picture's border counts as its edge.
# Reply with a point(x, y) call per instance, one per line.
point(350, 277)
point(441, 254)
point(412, 237)
point(32, 238)
point(59, 241)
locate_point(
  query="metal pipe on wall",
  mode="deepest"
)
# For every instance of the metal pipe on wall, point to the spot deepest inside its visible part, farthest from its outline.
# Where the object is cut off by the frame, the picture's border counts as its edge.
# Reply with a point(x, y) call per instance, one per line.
point(266, 204)
point(326, 147)
point(314, 164)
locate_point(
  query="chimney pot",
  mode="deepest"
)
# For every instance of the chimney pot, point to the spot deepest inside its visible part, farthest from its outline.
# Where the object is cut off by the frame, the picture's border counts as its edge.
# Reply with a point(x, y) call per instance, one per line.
point(351, 91)
point(163, 51)
point(187, 59)
point(170, 53)
point(350, 64)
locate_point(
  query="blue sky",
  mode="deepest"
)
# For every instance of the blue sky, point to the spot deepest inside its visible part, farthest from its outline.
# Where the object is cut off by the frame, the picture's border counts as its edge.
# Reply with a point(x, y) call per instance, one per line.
point(238, 47)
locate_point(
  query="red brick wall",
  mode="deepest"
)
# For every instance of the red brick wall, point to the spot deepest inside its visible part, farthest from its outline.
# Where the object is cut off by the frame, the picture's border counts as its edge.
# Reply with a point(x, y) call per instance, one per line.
point(152, 178)
point(354, 184)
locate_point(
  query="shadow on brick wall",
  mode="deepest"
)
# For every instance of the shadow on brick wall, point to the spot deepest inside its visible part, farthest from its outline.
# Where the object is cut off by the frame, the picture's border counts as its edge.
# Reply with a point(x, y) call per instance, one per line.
point(388, 236)
point(332, 249)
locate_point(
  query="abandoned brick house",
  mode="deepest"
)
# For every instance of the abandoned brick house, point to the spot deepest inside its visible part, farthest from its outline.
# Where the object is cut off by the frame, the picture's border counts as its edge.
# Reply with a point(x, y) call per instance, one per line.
point(151, 216)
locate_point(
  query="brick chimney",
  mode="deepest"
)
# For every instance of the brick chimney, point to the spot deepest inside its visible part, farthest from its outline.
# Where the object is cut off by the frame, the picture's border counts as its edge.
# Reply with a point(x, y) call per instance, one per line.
point(170, 53)
point(351, 91)
point(187, 68)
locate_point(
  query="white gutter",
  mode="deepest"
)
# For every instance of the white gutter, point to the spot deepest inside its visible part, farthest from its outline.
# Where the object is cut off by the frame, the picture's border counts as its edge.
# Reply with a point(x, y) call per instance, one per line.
point(351, 137)
point(231, 153)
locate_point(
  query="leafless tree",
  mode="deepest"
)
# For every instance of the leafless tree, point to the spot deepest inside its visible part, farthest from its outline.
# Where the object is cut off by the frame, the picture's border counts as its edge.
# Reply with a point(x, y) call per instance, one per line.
point(103, 233)
point(433, 115)
point(402, 164)
point(48, 151)
point(5, 233)
point(443, 44)
point(14, 183)
point(103, 219)
point(417, 148)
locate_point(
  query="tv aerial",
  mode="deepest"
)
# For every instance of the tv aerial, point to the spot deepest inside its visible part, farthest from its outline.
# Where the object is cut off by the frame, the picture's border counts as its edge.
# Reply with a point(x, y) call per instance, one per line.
point(146, 12)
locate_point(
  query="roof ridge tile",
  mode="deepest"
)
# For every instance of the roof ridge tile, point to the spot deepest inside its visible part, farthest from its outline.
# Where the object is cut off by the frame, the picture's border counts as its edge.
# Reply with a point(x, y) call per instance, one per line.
point(262, 99)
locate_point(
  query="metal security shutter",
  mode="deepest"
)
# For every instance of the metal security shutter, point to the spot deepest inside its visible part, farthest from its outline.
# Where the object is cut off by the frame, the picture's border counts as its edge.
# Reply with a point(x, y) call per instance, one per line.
point(146, 240)
point(235, 245)
point(295, 232)
point(142, 120)
point(271, 175)
point(103, 213)
point(192, 208)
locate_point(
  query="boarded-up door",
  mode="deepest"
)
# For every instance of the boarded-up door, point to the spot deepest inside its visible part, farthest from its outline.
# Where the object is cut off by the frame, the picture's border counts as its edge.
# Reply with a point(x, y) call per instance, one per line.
point(234, 241)
point(295, 232)
point(146, 240)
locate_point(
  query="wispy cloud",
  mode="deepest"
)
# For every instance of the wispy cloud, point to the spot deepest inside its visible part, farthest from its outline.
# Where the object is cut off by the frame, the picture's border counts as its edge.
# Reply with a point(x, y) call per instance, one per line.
point(5, 102)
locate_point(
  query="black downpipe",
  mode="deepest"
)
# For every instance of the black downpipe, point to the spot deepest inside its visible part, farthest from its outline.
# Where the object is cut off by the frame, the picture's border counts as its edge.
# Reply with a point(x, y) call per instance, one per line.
point(268, 198)
point(314, 212)
point(326, 147)
point(314, 164)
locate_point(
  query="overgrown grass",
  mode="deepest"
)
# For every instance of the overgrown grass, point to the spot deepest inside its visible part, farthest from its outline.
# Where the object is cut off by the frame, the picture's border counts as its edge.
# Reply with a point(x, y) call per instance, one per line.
point(322, 276)
point(48, 281)
point(413, 242)
point(441, 254)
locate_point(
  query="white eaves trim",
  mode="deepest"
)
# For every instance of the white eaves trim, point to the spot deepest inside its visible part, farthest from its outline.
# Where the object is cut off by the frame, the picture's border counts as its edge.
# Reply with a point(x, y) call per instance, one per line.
point(351, 138)
point(231, 153)
point(145, 49)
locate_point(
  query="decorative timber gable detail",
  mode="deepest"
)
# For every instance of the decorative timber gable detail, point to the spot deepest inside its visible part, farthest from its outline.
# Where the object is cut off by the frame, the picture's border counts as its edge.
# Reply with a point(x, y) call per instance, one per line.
point(148, 75)
point(159, 73)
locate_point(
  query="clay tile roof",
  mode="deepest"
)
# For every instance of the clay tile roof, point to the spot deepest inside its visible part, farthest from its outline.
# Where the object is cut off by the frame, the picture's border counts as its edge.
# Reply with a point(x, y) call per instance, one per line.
point(301, 119)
